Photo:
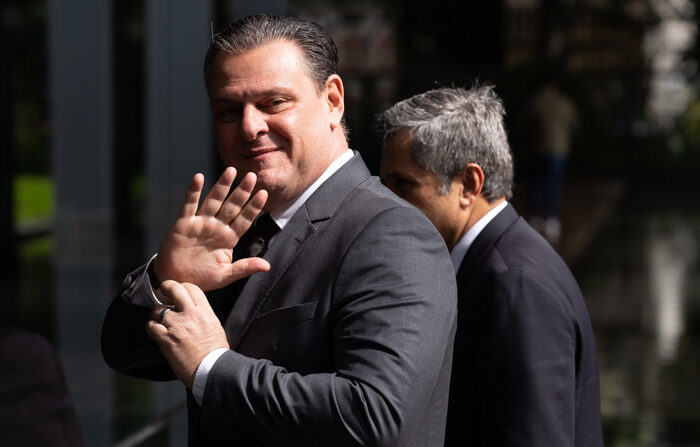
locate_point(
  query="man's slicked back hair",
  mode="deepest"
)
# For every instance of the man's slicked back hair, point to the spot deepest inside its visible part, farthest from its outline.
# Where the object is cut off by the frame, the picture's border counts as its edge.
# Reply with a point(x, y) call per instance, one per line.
point(254, 31)
point(451, 127)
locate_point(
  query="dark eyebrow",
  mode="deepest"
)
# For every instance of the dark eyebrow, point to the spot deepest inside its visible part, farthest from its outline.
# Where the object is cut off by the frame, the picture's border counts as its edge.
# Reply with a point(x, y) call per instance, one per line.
point(256, 94)
point(224, 101)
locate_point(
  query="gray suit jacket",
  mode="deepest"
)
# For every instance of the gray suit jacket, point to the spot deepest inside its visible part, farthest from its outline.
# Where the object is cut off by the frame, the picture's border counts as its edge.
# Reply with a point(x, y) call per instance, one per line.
point(347, 340)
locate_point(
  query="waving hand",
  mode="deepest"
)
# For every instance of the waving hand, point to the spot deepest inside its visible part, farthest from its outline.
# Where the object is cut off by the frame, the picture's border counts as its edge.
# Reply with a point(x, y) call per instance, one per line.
point(198, 248)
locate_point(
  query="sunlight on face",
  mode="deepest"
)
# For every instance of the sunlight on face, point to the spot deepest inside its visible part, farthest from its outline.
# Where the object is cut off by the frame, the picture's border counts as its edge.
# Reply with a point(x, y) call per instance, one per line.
point(270, 118)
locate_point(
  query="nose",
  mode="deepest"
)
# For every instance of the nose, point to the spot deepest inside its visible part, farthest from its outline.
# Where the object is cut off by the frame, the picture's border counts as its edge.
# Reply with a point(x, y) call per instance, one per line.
point(254, 122)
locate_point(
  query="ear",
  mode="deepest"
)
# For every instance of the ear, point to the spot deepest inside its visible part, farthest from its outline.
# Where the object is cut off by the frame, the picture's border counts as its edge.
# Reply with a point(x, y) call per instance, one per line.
point(335, 97)
point(472, 179)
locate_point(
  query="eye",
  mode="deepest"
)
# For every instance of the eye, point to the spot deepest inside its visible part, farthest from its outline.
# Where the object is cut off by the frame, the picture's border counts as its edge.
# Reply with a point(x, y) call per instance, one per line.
point(227, 114)
point(399, 185)
point(406, 182)
point(402, 186)
point(275, 104)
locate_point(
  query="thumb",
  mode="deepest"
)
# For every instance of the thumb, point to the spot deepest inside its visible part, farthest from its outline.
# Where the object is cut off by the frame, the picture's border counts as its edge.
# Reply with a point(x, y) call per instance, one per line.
point(177, 294)
point(246, 267)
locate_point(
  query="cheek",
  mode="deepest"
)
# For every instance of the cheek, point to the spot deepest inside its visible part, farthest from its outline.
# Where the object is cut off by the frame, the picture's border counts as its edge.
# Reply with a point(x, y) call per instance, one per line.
point(225, 153)
point(423, 203)
point(223, 136)
point(308, 125)
point(226, 139)
point(439, 211)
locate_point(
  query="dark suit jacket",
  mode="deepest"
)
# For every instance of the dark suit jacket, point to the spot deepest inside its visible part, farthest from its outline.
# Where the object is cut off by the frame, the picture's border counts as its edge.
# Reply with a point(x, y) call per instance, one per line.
point(346, 341)
point(525, 371)
point(36, 409)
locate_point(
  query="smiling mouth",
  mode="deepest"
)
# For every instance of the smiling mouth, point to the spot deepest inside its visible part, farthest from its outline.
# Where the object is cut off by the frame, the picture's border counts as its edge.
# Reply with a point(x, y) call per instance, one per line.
point(256, 153)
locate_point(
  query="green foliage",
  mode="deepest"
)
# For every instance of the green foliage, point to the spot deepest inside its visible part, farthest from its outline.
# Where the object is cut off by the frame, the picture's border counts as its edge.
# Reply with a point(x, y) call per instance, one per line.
point(33, 197)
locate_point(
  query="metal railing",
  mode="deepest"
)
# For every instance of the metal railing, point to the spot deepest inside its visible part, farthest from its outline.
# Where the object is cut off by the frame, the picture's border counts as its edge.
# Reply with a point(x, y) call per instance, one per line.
point(152, 428)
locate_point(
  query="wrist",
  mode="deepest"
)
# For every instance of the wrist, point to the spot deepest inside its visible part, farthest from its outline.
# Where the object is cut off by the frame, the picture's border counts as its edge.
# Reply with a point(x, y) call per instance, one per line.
point(153, 276)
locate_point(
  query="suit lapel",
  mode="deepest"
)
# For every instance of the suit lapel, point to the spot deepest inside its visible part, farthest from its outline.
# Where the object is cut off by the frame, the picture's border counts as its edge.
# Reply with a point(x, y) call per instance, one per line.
point(286, 245)
point(484, 241)
point(282, 251)
point(331, 194)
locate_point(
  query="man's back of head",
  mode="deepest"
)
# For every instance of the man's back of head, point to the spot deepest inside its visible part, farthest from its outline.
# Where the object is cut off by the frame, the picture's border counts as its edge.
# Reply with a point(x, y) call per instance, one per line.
point(447, 153)
point(451, 127)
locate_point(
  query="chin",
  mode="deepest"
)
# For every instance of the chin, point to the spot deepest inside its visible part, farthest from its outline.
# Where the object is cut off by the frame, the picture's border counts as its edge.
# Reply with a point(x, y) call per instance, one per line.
point(269, 182)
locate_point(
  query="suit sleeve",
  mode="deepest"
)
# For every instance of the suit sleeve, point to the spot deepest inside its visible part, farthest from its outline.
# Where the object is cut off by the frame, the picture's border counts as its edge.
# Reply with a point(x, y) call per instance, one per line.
point(393, 322)
point(125, 345)
point(528, 355)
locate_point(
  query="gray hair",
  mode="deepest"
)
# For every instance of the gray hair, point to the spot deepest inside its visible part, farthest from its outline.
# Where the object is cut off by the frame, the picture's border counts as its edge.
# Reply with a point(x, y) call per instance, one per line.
point(451, 127)
point(251, 32)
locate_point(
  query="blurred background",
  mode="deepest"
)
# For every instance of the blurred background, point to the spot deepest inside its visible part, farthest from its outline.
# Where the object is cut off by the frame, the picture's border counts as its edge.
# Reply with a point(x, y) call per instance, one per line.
point(105, 119)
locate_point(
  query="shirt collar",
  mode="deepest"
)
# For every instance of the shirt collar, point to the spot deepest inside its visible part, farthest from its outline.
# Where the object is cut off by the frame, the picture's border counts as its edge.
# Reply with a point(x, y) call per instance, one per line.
point(460, 250)
point(284, 215)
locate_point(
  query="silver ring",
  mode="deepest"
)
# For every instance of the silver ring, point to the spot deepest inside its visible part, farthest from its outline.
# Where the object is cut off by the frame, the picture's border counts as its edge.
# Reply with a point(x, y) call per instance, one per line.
point(162, 314)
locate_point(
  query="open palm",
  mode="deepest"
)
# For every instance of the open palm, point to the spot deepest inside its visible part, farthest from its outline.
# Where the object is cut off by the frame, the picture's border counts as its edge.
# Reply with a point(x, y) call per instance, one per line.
point(198, 248)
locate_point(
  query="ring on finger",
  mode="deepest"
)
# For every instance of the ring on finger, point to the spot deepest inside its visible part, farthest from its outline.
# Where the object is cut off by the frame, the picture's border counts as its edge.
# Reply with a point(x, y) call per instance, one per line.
point(162, 313)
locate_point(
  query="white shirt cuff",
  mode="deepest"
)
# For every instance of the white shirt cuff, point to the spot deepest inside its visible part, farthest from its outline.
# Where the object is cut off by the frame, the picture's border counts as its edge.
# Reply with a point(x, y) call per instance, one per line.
point(147, 279)
point(200, 377)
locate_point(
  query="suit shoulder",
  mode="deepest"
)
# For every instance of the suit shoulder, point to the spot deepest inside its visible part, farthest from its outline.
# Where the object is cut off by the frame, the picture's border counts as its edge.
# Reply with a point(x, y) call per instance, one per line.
point(373, 198)
point(390, 245)
point(522, 266)
point(520, 249)
point(372, 215)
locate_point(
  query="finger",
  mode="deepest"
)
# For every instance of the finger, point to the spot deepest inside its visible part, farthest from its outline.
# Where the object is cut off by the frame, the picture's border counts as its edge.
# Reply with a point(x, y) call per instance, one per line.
point(247, 266)
point(155, 313)
point(156, 331)
point(249, 212)
point(218, 193)
point(160, 310)
point(197, 295)
point(237, 199)
point(191, 202)
point(162, 298)
point(177, 294)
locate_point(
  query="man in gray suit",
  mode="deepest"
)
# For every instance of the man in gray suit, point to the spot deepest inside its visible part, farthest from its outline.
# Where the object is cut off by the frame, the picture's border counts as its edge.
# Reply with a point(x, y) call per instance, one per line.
point(525, 371)
point(343, 334)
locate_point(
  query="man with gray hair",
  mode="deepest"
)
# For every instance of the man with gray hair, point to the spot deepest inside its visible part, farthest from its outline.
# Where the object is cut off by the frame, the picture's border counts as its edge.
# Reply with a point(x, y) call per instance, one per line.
point(525, 370)
point(343, 335)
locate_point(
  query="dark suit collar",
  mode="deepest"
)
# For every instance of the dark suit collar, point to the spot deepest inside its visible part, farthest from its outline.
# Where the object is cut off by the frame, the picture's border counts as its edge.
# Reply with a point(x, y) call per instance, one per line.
point(324, 202)
point(485, 240)
point(318, 208)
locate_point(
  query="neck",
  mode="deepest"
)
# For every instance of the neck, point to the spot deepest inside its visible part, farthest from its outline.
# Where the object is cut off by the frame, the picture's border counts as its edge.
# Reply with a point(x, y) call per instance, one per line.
point(480, 208)
point(476, 211)
point(278, 203)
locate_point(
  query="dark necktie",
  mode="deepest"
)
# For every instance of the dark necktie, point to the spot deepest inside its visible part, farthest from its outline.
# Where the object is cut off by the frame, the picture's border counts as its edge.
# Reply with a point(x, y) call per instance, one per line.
point(254, 243)
point(256, 240)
